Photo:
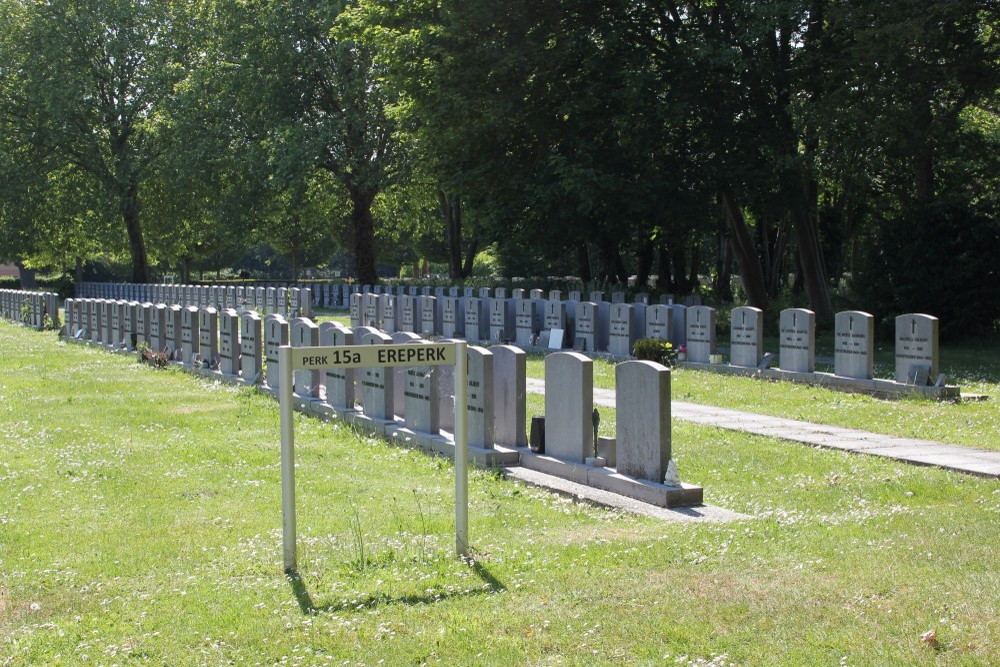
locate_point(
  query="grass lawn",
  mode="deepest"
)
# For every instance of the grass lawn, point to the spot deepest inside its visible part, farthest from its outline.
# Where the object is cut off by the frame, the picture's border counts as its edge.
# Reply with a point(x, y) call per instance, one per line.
point(140, 522)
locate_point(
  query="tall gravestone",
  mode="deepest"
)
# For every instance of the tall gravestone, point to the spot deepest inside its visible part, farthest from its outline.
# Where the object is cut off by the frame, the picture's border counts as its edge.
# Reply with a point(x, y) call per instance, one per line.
point(251, 347)
point(356, 310)
point(700, 333)
point(503, 320)
point(369, 310)
point(144, 314)
point(157, 328)
point(916, 348)
point(131, 325)
point(854, 345)
point(622, 330)
point(797, 340)
point(453, 317)
point(420, 398)
point(399, 372)
point(190, 337)
point(229, 342)
point(509, 396)
point(305, 333)
point(173, 330)
point(746, 338)
point(658, 322)
point(387, 312)
point(407, 313)
point(477, 320)
point(569, 404)
point(557, 320)
point(95, 321)
point(275, 335)
point(524, 322)
point(642, 423)
point(479, 398)
point(105, 319)
point(678, 325)
point(377, 397)
point(430, 316)
point(339, 381)
point(208, 337)
point(585, 335)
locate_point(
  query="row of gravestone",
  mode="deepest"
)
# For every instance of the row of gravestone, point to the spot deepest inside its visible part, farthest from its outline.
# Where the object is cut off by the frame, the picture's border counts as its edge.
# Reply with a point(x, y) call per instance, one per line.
point(416, 402)
point(34, 309)
point(287, 301)
point(854, 342)
point(337, 294)
point(526, 320)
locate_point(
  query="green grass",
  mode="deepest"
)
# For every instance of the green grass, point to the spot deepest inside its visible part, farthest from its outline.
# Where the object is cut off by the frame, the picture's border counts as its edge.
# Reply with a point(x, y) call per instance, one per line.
point(140, 522)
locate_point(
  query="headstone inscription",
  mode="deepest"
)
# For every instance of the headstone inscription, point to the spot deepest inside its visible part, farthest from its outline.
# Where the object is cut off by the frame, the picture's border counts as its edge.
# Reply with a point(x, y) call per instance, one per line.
point(854, 345)
point(658, 322)
point(797, 340)
point(700, 333)
point(172, 330)
point(621, 333)
point(746, 337)
point(420, 398)
point(916, 348)
point(208, 337)
point(339, 381)
point(477, 320)
point(157, 328)
point(190, 338)
point(479, 397)
point(524, 322)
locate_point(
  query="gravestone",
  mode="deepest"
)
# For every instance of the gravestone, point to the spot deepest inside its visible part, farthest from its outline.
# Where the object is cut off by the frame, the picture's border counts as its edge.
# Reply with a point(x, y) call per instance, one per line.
point(95, 322)
point(525, 319)
point(509, 396)
point(144, 314)
point(234, 296)
point(369, 310)
point(479, 398)
point(259, 299)
point(399, 372)
point(536, 295)
point(502, 320)
point(700, 333)
point(105, 308)
point(746, 337)
point(500, 293)
point(916, 347)
point(157, 328)
point(623, 329)
point(229, 341)
point(387, 312)
point(575, 295)
point(597, 296)
point(275, 335)
point(377, 383)
point(797, 340)
point(641, 298)
point(270, 300)
point(484, 293)
point(117, 307)
point(642, 423)
point(617, 297)
point(557, 319)
point(658, 319)
point(190, 338)
point(281, 302)
point(173, 330)
point(420, 398)
point(854, 345)
point(251, 347)
point(555, 295)
point(430, 319)
point(130, 325)
point(453, 317)
point(356, 309)
point(678, 325)
point(208, 337)
point(303, 332)
point(569, 405)
point(339, 381)
point(477, 320)
point(407, 313)
point(585, 337)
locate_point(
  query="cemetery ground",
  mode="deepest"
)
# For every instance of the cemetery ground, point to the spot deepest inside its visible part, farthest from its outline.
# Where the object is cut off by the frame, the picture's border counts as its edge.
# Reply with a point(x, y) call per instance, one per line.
point(140, 522)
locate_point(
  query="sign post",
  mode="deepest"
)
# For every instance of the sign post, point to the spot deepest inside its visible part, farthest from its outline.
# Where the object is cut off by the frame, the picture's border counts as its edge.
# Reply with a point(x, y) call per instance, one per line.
point(291, 359)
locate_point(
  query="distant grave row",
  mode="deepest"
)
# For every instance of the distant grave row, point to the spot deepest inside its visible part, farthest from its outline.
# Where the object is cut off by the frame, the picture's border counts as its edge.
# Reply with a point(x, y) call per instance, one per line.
point(34, 309)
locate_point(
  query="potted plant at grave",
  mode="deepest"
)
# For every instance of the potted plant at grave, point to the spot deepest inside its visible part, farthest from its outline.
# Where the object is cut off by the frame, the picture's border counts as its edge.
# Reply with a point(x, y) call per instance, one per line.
point(655, 349)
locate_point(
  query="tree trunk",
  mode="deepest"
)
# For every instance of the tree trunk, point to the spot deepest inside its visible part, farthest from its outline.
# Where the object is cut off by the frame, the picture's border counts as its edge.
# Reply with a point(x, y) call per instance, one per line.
point(810, 255)
point(363, 223)
point(136, 244)
point(723, 284)
point(470, 258)
point(745, 253)
point(693, 281)
point(26, 275)
point(679, 263)
point(645, 263)
point(451, 212)
point(583, 262)
point(665, 281)
point(923, 158)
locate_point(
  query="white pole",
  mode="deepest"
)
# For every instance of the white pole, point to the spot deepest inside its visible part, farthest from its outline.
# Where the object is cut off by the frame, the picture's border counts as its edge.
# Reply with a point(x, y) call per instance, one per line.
point(287, 456)
point(461, 452)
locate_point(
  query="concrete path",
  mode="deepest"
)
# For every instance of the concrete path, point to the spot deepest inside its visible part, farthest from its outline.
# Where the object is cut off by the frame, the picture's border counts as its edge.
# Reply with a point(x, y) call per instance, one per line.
point(910, 450)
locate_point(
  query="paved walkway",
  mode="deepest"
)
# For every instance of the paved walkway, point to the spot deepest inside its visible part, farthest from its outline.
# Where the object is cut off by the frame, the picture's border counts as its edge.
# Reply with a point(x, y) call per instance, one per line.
point(910, 450)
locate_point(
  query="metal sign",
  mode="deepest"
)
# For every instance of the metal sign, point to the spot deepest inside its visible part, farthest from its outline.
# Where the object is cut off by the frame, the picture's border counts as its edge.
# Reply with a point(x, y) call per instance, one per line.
point(373, 356)
point(291, 359)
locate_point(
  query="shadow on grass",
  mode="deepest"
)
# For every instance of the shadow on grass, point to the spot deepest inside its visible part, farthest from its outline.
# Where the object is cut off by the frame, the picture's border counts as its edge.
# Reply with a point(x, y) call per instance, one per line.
point(307, 605)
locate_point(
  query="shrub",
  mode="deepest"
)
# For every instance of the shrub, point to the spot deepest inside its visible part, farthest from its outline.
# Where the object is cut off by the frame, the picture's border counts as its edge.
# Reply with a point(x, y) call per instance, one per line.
point(655, 349)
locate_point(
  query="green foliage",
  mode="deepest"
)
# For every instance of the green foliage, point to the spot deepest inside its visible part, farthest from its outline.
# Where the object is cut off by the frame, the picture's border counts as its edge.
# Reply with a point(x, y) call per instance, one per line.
point(941, 260)
point(655, 349)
